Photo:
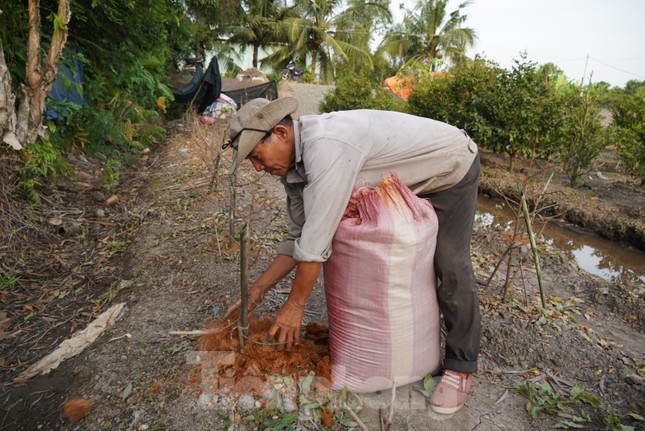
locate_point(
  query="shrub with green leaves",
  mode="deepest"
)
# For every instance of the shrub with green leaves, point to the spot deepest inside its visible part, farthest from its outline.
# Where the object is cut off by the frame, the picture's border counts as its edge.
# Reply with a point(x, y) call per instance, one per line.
point(351, 92)
point(525, 115)
point(357, 92)
point(628, 111)
point(583, 136)
point(465, 97)
point(432, 98)
point(43, 163)
point(515, 112)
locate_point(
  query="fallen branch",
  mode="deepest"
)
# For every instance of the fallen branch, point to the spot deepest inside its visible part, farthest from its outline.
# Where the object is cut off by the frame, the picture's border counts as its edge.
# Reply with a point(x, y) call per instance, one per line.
point(390, 419)
point(73, 346)
point(361, 425)
point(193, 332)
point(128, 336)
point(201, 182)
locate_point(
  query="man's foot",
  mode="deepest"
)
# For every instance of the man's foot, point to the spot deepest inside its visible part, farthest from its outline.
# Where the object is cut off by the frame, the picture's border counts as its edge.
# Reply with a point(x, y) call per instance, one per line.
point(451, 392)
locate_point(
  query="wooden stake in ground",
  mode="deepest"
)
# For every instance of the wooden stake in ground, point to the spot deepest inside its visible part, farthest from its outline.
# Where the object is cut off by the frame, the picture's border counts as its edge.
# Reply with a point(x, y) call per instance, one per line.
point(232, 207)
point(243, 325)
point(536, 256)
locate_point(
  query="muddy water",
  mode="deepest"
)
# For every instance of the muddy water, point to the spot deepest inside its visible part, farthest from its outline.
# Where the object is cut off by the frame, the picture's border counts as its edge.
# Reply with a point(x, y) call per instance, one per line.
point(593, 254)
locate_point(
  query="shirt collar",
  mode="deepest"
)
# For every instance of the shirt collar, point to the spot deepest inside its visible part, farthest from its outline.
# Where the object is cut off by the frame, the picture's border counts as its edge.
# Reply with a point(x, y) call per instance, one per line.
point(297, 173)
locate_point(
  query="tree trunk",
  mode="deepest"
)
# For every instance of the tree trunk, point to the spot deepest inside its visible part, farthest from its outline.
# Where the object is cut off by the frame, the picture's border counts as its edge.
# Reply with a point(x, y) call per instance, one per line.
point(255, 56)
point(25, 125)
point(7, 106)
point(313, 65)
point(432, 54)
point(29, 102)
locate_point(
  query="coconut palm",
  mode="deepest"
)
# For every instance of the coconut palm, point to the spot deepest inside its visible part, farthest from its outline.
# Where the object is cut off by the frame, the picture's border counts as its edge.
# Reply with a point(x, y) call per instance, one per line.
point(320, 30)
point(429, 33)
point(259, 26)
point(206, 26)
point(365, 21)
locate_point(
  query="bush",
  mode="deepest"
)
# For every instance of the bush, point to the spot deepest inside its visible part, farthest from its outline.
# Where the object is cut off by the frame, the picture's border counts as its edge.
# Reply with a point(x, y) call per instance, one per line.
point(583, 136)
point(384, 100)
point(628, 111)
point(466, 97)
point(43, 163)
point(431, 98)
point(514, 112)
point(356, 92)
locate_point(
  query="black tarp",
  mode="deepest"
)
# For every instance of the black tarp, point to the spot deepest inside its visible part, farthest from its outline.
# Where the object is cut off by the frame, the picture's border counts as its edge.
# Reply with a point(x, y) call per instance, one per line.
point(267, 90)
point(203, 89)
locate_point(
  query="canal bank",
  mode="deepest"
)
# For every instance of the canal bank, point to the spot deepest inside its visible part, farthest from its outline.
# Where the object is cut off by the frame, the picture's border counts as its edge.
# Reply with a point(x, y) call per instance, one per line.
point(607, 259)
point(610, 203)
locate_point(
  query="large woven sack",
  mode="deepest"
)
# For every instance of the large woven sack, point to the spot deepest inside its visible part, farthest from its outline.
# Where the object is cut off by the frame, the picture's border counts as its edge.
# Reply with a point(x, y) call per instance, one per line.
point(380, 286)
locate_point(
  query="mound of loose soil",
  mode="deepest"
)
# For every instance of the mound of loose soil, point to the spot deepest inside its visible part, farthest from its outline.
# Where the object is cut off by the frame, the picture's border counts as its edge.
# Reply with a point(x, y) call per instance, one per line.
point(260, 356)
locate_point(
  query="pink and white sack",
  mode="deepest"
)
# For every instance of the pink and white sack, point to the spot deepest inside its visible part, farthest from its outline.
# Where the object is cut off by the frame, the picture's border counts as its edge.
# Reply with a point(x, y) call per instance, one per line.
point(380, 286)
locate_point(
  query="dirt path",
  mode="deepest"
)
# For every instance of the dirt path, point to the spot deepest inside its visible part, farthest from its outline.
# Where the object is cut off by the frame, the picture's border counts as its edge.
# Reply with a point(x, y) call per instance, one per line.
point(309, 95)
point(180, 270)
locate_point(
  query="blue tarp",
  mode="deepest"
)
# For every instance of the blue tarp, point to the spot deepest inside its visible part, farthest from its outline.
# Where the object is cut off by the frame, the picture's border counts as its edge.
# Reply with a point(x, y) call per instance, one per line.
point(68, 87)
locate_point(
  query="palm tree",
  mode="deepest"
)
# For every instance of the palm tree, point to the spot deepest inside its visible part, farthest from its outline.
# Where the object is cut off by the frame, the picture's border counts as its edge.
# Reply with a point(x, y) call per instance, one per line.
point(258, 28)
point(207, 26)
point(429, 34)
point(360, 25)
point(318, 30)
point(397, 44)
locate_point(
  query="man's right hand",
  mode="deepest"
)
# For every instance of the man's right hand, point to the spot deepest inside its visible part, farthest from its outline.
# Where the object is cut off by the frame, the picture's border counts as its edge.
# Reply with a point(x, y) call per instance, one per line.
point(286, 328)
point(279, 268)
point(256, 296)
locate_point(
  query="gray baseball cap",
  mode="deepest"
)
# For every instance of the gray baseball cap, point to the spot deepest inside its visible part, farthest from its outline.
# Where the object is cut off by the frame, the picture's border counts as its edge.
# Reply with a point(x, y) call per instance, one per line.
point(253, 122)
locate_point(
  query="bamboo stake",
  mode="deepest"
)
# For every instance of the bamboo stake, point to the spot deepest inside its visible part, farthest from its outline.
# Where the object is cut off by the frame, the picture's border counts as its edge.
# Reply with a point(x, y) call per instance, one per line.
point(243, 326)
point(232, 208)
point(536, 256)
point(509, 276)
point(526, 296)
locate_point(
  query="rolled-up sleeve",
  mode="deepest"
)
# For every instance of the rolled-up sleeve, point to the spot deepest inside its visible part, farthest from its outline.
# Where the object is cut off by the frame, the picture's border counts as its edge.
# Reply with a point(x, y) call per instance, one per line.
point(331, 175)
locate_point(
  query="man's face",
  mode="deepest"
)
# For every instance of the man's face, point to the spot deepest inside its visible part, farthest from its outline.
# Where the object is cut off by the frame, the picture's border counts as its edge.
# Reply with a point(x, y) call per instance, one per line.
point(272, 155)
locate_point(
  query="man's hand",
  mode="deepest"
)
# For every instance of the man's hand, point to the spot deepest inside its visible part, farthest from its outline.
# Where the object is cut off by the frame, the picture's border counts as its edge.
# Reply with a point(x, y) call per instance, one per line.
point(279, 268)
point(256, 296)
point(286, 328)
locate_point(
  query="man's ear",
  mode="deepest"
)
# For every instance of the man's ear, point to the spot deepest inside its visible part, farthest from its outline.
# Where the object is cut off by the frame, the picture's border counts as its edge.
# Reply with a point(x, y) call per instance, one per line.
point(281, 131)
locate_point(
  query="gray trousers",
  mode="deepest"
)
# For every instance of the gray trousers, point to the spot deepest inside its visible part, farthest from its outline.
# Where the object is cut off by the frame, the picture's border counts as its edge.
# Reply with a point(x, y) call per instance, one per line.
point(457, 288)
